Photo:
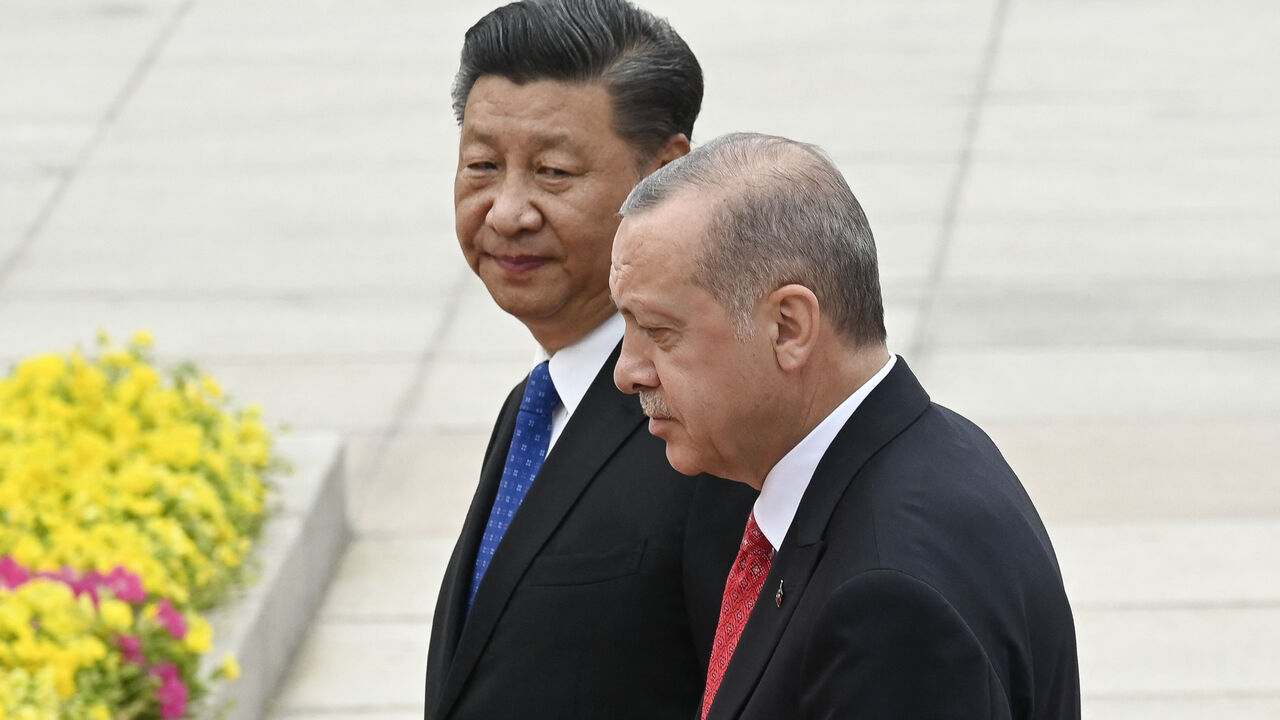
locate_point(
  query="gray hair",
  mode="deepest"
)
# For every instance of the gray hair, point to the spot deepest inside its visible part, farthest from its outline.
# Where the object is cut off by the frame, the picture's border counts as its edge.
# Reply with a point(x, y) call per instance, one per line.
point(783, 215)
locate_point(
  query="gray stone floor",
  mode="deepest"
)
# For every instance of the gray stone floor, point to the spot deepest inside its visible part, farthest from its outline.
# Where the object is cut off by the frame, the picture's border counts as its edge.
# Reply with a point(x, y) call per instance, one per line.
point(1075, 203)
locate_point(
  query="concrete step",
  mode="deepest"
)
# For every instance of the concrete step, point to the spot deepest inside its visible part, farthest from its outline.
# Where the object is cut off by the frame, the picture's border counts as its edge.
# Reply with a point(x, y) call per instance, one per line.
point(297, 555)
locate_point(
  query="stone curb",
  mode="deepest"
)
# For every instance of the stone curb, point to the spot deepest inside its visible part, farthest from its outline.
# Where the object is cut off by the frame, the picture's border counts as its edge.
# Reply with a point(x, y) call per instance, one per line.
point(297, 556)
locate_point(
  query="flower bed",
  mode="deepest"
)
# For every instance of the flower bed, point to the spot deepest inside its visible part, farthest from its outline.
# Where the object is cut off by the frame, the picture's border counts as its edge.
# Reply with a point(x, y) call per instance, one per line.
point(128, 505)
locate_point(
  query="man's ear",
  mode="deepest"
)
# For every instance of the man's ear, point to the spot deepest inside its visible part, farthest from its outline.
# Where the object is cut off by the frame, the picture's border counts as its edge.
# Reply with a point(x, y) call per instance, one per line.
point(677, 146)
point(796, 318)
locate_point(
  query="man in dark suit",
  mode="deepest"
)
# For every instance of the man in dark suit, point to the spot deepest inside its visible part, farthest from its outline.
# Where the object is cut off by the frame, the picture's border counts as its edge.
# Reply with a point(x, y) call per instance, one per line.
point(892, 566)
point(586, 581)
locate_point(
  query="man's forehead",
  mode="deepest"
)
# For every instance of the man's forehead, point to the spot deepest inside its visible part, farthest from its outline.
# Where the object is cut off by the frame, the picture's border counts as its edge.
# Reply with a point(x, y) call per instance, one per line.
point(495, 95)
point(658, 237)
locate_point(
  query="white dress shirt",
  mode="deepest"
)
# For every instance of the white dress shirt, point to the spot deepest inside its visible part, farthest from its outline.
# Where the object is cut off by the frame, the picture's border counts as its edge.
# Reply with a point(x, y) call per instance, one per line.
point(574, 367)
point(785, 484)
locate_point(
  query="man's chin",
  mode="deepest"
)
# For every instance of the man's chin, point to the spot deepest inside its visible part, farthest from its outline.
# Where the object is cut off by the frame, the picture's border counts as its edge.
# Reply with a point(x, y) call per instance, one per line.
point(682, 463)
point(520, 303)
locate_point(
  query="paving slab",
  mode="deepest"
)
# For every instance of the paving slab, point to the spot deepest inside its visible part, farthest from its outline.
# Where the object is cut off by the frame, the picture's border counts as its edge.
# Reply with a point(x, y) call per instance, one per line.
point(320, 393)
point(21, 200)
point(1095, 470)
point(466, 395)
point(359, 666)
point(1169, 50)
point(1182, 708)
point(479, 330)
point(905, 249)
point(388, 579)
point(290, 204)
point(1137, 128)
point(1205, 651)
point(62, 60)
point(1184, 564)
point(390, 137)
point(1041, 383)
point(37, 149)
point(250, 260)
point(910, 192)
point(230, 328)
point(1213, 314)
point(1117, 187)
point(1115, 249)
point(244, 92)
point(418, 483)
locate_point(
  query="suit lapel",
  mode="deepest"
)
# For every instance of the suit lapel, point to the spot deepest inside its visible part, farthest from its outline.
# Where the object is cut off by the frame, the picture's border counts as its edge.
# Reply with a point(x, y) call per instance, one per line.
point(601, 423)
point(457, 577)
point(892, 406)
point(792, 566)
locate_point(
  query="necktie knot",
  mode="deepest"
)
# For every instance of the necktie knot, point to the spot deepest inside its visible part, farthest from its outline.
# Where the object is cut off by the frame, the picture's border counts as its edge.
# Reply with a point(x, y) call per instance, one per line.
point(540, 396)
point(754, 541)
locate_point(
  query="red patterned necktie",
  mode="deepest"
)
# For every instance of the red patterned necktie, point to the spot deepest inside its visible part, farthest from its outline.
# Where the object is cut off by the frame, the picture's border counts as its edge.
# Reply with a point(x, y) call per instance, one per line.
point(746, 577)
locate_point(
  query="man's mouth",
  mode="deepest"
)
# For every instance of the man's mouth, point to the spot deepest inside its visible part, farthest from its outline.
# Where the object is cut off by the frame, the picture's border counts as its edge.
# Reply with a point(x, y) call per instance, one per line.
point(656, 423)
point(518, 264)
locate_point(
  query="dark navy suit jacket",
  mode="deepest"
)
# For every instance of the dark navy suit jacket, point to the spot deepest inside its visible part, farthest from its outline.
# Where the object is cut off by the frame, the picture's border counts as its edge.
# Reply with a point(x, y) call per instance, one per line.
point(602, 600)
point(917, 582)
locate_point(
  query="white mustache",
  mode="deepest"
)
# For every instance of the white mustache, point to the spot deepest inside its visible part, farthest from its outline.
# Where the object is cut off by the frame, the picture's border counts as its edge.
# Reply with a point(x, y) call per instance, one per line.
point(653, 405)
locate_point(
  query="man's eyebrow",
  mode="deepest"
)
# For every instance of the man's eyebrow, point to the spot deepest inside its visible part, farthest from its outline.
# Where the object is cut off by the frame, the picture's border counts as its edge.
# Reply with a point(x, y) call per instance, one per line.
point(651, 314)
point(550, 140)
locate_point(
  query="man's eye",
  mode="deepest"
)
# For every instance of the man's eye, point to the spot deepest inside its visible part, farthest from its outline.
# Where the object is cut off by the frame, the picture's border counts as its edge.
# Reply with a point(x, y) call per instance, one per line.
point(553, 172)
point(482, 165)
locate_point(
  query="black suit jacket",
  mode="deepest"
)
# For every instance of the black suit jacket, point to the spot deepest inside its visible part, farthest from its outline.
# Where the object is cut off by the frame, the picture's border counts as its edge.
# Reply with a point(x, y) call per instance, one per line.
point(917, 582)
point(602, 600)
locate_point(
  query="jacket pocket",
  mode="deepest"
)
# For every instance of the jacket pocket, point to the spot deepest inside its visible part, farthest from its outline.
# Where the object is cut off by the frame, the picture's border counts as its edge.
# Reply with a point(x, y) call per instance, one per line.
point(587, 568)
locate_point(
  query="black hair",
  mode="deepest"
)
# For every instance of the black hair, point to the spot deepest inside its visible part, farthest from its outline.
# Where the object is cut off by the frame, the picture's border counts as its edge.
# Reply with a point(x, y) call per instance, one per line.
point(653, 79)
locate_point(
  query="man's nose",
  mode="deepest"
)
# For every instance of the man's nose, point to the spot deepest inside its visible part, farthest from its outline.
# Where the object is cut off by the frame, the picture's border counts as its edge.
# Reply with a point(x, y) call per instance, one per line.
point(513, 210)
point(633, 372)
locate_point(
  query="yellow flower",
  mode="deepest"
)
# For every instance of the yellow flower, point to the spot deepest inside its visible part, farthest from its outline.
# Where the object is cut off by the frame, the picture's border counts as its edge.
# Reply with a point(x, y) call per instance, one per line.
point(65, 665)
point(104, 464)
point(230, 668)
point(42, 370)
point(90, 649)
point(199, 637)
point(27, 550)
point(116, 614)
point(211, 387)
point(143, 339)
point(15, 615)
point(227, 556)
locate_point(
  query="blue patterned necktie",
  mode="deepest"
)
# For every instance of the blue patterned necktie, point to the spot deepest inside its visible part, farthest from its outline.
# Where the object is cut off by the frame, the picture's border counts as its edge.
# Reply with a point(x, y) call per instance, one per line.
point(528, 449)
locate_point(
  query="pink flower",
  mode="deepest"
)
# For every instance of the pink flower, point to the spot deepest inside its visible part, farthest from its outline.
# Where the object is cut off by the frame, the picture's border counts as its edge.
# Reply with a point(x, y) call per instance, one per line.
point(66, 576)
point(131, 648)
point(11, 573)
point(172, 693)
point(171, 618)
point(124, 585)
point(89, 585)
point(86, 585)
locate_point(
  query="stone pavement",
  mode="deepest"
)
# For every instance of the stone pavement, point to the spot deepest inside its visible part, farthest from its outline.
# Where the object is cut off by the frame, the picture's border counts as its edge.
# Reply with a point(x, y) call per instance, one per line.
point(1075, 204)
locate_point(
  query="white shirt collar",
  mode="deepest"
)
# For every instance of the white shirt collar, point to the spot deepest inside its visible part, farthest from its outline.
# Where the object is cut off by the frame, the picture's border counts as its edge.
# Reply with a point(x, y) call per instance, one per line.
point(576, 366)
point(786, 483)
